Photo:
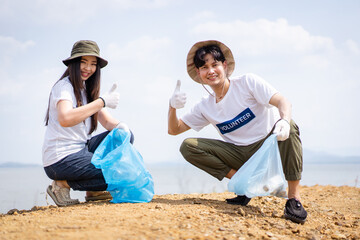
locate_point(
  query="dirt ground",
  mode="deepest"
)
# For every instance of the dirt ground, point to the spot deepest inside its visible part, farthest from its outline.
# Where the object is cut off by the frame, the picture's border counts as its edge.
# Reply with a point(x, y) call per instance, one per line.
point(333, 213)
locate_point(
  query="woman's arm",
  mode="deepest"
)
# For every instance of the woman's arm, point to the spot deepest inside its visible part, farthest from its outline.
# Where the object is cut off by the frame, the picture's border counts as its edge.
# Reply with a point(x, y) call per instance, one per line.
point(106, 120)
point(69, 116)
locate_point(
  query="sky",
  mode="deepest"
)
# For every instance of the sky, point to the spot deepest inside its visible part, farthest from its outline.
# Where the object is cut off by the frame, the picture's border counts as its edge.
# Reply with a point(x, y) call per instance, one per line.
point(308, 50)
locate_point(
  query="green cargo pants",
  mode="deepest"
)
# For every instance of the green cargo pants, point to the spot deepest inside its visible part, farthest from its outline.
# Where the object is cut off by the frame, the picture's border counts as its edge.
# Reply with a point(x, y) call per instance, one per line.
point(217, 157)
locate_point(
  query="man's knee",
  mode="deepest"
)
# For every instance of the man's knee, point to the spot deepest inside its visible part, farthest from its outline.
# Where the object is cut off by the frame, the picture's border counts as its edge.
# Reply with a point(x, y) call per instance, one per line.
point(186, 146)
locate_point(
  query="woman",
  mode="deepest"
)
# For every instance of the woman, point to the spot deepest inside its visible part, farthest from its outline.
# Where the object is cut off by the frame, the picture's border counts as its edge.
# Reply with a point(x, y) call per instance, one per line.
point(245, 111)
point(74, 110)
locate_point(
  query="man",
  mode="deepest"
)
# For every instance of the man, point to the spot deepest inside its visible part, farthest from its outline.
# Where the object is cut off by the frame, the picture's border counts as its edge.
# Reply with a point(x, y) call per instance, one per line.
point(245, 111)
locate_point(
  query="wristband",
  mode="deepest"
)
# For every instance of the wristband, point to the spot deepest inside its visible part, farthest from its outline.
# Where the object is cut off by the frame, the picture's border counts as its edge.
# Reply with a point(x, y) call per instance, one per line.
point(102, 100)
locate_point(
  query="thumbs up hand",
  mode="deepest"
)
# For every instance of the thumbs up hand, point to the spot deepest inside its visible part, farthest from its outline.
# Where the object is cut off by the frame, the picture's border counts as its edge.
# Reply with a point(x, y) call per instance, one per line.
point(178, 98)
point(111, 98)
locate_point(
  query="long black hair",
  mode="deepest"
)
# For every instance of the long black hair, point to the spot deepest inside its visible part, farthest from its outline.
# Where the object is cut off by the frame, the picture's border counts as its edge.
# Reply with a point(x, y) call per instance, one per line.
point(92, 87)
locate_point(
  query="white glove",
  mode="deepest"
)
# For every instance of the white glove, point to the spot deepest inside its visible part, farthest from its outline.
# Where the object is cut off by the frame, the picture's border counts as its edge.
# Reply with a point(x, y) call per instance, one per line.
point(123, 126)
point(282, 130)
point(111, 98)
point(178, 98)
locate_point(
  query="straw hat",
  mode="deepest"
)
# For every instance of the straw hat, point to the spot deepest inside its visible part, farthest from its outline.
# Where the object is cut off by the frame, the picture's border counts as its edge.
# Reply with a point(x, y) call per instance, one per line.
point(191, 69)
point(85, 48)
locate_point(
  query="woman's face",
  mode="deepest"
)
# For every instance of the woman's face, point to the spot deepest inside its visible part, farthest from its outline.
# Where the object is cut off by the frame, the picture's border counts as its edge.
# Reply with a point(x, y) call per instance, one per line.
point(87, 66)
point(213, 72)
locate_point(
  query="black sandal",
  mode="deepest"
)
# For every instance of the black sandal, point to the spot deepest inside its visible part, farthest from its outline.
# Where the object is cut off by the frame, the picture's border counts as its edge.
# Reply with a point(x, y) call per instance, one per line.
point(239, 200)
point(294, 211)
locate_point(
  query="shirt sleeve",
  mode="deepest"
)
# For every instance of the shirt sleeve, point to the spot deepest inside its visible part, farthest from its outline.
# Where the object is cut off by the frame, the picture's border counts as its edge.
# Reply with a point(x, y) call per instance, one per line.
point(195, 119)
point(261, 90)
point(63, 90)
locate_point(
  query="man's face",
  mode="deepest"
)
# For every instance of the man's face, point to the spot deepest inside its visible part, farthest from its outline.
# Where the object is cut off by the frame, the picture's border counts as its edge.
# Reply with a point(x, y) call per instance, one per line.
point(212, 72)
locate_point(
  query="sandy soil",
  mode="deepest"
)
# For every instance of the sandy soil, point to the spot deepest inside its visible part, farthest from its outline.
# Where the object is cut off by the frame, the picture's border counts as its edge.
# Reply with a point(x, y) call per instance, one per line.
point(333, 213)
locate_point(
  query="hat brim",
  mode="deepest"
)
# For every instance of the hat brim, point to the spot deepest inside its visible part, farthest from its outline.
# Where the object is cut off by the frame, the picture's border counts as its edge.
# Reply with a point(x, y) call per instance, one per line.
point(191, 69)
point(102, 62)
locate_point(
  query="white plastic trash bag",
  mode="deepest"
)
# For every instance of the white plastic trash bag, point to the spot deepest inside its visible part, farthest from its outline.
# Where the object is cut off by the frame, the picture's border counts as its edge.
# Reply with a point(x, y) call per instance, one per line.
point(262, 174)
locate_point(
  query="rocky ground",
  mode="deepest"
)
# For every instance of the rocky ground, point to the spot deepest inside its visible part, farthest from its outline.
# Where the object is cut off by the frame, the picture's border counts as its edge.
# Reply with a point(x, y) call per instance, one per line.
point(333, 213)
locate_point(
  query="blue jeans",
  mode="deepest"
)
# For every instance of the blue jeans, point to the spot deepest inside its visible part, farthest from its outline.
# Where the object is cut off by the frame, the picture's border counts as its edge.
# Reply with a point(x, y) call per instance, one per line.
point(78, 170)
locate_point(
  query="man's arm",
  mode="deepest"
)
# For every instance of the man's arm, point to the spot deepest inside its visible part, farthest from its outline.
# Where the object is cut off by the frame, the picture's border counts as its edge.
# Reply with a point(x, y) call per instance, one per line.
point(175, 126)
point(282, 127)
point(283, 105)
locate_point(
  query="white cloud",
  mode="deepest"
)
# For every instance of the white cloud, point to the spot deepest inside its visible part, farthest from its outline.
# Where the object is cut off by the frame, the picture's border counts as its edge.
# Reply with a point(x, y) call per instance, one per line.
point(126, 4)
point(49, 12)
point(10, 46)
point(352, 46)
point(201, 16)
point(15, 86)
point(10, 87)
point(23, 100)
point(263, 37)
point(316, 61)
point(143, 49)
point(46, 12)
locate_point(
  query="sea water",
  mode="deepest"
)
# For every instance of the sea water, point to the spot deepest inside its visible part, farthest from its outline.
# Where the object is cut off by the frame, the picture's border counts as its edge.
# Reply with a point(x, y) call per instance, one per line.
point(24, 188)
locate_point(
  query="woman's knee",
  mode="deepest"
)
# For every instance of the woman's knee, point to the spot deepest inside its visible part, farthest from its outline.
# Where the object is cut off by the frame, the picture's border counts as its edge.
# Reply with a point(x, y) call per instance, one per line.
point(50, 172)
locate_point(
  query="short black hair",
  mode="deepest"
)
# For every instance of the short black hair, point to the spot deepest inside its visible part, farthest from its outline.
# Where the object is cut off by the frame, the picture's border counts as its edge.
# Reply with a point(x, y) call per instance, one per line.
point(214, 50)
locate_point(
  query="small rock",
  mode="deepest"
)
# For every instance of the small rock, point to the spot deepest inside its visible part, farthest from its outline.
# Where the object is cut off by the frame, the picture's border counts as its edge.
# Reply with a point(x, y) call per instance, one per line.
point(35, 208)
point(241, 212)
point(311, 236)
point(338, 224)
point(338, 236)
point(185, 226)
point(13, 211)
point(276, 214)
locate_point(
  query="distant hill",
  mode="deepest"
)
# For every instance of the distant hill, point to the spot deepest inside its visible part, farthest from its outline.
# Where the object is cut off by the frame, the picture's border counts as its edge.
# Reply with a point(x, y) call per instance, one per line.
point(309, 157)
point(17, 165)
point(320, 157)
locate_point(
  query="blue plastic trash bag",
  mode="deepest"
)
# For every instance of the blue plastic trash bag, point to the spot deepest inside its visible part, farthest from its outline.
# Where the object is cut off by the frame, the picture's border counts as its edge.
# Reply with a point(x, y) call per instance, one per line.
point(262, 174)
point(123, 169)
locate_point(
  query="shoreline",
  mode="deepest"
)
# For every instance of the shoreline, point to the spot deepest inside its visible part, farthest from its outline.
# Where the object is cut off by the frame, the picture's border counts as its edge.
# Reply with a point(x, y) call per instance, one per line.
point(333, 213)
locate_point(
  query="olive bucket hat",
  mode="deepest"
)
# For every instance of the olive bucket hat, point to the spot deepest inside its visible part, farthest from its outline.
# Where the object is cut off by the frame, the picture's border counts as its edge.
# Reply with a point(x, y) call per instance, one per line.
point(191, 69)
point(85, 48)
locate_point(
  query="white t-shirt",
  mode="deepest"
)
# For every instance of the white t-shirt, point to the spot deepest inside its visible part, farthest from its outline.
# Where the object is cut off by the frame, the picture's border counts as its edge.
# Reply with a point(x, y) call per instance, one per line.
point(243, 116)
point(60, 141)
